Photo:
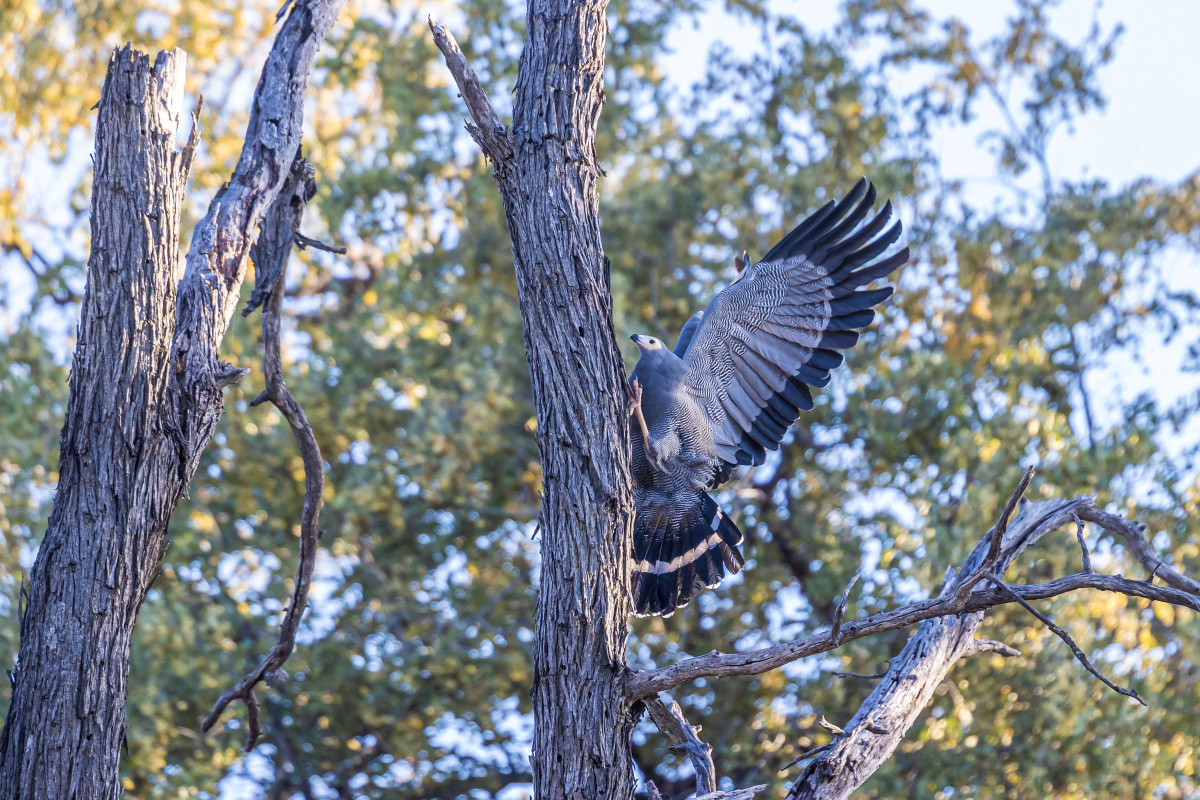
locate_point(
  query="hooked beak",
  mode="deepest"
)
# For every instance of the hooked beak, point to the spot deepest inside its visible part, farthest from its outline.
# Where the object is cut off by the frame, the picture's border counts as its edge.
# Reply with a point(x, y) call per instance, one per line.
point(637, 339)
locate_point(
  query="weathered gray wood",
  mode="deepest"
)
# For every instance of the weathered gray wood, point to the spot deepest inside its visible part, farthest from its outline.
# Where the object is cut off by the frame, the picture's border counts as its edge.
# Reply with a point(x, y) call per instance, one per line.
point(146, 393)
point(878, 727)
point(685, 736)
point(546, 170)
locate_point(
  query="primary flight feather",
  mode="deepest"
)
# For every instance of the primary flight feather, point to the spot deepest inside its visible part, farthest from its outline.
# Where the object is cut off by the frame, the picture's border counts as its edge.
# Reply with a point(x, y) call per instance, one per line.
point(736, 380)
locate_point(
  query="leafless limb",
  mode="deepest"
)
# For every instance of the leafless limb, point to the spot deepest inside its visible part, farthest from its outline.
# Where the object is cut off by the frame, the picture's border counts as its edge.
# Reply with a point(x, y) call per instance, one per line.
point(685, 736)
point(947, 634)
point(1134, 534)
point(807, 754)
point(271, 254)
point(303, 241)
point(1087, 557)
point(755, 662)
point(487, 130)
point(989, 646)
point(975, 570)
point(1083, 659)
point(873, 677)
point(835, 632)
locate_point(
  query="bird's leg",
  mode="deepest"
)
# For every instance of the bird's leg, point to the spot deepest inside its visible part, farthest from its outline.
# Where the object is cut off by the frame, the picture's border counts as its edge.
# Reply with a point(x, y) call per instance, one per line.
point(635, 409)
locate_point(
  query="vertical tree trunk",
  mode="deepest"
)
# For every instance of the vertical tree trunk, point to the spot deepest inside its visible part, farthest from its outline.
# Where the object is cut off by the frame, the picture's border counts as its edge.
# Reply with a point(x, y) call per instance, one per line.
point(146, 395)
point(66, 724)
point(547, 170)
point(581, 745)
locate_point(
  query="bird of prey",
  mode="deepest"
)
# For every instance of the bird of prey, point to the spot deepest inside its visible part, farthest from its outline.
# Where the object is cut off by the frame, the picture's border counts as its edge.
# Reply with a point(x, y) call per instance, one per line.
point(736, 380)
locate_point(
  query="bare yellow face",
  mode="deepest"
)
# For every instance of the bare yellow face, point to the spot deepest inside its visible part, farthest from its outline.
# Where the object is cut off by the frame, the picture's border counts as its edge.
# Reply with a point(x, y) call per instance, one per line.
point(646, 343)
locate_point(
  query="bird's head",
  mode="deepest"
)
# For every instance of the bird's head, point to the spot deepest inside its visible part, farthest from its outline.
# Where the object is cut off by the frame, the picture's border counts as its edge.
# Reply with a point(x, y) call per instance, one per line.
point(646, 343)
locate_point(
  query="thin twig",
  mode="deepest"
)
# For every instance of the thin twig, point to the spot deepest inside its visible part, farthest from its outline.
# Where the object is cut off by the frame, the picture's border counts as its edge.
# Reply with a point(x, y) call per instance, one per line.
point(1087, 557)
point(736, 794)
point(836, 631)
point(642, 684)
point(303, 241)
point(804, 755)
point(271, 253)
point(875, 677)
point(1135, 536)
point(1066, 637)
point(988, 646)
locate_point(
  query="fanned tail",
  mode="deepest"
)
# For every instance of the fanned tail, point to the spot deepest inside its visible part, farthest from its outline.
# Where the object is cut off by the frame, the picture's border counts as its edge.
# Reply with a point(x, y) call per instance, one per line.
point(678, 554)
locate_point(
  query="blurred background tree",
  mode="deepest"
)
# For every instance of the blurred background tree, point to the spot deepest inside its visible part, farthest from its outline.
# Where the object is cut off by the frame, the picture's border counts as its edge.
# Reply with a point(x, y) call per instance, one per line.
point(412, 678)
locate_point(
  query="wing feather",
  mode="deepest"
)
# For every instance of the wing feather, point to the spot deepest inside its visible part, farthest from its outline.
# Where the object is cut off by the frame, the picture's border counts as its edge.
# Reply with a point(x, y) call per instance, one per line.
point(753, 353)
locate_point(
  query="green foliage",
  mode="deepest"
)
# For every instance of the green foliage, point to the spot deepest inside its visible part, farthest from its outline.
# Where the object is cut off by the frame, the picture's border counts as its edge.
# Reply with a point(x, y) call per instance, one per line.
point(407, 354)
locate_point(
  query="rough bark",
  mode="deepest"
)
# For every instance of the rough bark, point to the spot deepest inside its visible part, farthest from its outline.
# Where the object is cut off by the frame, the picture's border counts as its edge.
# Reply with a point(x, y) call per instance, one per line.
point(546, 170)
point(146, 393)
point(65, 726)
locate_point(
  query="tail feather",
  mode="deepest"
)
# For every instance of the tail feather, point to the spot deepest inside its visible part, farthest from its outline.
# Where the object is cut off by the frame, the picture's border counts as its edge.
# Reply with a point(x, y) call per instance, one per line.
point(679, 555)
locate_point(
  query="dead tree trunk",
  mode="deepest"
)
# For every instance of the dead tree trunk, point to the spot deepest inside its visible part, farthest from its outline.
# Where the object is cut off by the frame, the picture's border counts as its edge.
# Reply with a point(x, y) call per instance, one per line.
point(546, 170)
point(146, 393)
point(66, 723)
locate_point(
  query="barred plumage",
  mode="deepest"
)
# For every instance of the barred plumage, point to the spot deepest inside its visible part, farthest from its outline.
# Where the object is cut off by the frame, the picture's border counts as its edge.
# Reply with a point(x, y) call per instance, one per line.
point(737, 379)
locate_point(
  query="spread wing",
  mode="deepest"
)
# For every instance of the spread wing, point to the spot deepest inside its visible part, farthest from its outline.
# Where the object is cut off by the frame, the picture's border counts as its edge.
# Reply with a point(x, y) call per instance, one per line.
point(775, 331)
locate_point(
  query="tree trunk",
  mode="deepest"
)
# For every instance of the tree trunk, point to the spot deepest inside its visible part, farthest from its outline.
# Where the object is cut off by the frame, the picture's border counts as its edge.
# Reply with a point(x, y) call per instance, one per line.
point(146, 395)
point(582, 724)
point(66, 724)
point(546, 169)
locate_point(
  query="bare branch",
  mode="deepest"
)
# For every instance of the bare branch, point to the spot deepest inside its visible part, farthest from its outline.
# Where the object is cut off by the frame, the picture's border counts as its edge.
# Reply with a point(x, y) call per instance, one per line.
point(873, 677)
point(684, 736)
point(488, 131)
point(806, 755)
point(975, 570)
point(989, 646)
point(271, 254)
point(1087, 557)
point(1135, 536)
point(303, 241)
point(736, 794)
point(1036, 520)
point(217, 259)
point(1083, 659)
point(756, 662)
point(835, 632)
point(1002, 525)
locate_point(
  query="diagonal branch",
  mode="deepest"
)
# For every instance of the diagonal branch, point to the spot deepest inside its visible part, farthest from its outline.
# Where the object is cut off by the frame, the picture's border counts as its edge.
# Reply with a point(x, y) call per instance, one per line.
point(1066, 637)
point(271, 254)
point(684, 736)
point(217, 259)
point(488, 131)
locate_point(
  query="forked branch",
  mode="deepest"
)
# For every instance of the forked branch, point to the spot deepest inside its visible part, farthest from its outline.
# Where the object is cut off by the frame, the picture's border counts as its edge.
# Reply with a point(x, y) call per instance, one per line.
point(685, 736)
